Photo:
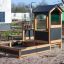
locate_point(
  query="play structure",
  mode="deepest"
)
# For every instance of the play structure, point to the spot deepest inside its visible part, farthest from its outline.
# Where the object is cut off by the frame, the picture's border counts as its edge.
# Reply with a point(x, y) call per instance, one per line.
point(46, 33)
point(23, 30)
point(53, 31)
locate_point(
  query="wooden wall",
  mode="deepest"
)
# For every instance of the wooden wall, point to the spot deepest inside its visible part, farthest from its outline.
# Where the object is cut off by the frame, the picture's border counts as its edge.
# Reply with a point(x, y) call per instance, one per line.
point(55, 33)
point(41, 35)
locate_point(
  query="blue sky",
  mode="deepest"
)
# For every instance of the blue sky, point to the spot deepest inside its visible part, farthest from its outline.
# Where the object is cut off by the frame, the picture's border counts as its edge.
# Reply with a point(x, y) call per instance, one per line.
point(26, 1)
point(37, 1)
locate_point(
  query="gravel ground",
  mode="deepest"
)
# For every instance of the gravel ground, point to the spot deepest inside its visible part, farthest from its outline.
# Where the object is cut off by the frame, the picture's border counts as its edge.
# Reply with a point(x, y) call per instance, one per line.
point(56, 56)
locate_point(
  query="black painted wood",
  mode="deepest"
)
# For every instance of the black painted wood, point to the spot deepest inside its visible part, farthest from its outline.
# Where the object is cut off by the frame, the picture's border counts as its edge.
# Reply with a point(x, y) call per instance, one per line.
point(41, 35)
point(11, 50)
point(55, 33)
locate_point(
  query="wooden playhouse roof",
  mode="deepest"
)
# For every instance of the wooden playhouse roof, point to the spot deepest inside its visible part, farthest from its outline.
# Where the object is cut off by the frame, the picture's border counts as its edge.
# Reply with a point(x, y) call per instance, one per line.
point(45, 9)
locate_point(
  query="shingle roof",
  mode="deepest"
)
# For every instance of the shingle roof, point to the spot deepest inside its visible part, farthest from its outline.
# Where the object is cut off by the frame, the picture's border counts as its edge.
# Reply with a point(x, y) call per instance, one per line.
point(44, 9)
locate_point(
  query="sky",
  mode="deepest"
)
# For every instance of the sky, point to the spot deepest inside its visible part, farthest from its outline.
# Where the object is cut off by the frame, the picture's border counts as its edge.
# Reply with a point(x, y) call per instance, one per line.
point(26, 1)
point(36, 1)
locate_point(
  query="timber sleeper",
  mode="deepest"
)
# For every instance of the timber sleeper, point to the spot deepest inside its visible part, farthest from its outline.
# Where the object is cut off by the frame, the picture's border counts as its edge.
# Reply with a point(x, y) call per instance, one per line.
point(11, 50)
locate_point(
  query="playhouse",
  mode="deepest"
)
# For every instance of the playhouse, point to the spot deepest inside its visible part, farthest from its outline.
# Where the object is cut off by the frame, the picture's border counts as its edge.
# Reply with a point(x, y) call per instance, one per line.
point(46, 33)
point(52, 33)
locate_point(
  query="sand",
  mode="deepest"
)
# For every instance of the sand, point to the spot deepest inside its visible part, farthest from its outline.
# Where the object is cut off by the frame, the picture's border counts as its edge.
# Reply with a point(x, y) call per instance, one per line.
point(55, 56)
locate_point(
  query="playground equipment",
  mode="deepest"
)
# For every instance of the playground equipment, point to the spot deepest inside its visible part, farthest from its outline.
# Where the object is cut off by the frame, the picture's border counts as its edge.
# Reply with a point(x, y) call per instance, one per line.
point(23, 29)
point(28, 31)
point(53, 32)
point(44, 38)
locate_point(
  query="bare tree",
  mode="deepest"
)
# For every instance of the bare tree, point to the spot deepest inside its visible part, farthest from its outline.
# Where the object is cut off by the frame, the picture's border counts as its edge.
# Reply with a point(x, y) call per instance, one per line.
point(20, 7)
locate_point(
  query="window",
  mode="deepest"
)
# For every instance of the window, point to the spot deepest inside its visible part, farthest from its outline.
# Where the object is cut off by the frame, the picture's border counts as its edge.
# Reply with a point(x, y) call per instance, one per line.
point(14, 15)
point(41, 22)
point(2, 16)
point(25, 17)
point(55, 17)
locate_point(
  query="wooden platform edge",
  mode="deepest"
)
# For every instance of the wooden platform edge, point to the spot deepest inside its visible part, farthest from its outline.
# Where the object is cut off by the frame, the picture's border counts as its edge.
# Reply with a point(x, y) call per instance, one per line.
point(34, 47)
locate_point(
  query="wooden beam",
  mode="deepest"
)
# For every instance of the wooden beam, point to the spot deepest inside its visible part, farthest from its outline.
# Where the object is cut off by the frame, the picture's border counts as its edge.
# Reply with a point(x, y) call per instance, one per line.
point(56, 26)
point(32, 37)
point(59, 9)
point(35, 22)
point(54, 41)
point(23, 32)
point(47, 22)
point(23, 35)
point(10, 44)
point(61, 28)
point(57, 42)
point(27, 38)
point(35, 47)
point(54, 9)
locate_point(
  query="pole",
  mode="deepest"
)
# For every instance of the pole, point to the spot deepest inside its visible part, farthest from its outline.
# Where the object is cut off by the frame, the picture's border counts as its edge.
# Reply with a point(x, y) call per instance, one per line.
point(31, 7)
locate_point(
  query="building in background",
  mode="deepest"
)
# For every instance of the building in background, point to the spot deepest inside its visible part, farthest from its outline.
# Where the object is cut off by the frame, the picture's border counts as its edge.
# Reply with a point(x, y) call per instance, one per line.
point(20, 16)
point(5, 11)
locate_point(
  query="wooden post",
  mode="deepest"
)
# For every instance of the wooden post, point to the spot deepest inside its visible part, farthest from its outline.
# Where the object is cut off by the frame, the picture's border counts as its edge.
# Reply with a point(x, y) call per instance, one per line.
point(23, 35)
point(19, 56)
point(10, 44)
point(35, 23)
point(49, 24)
point(23, 32)
point(61, 28)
